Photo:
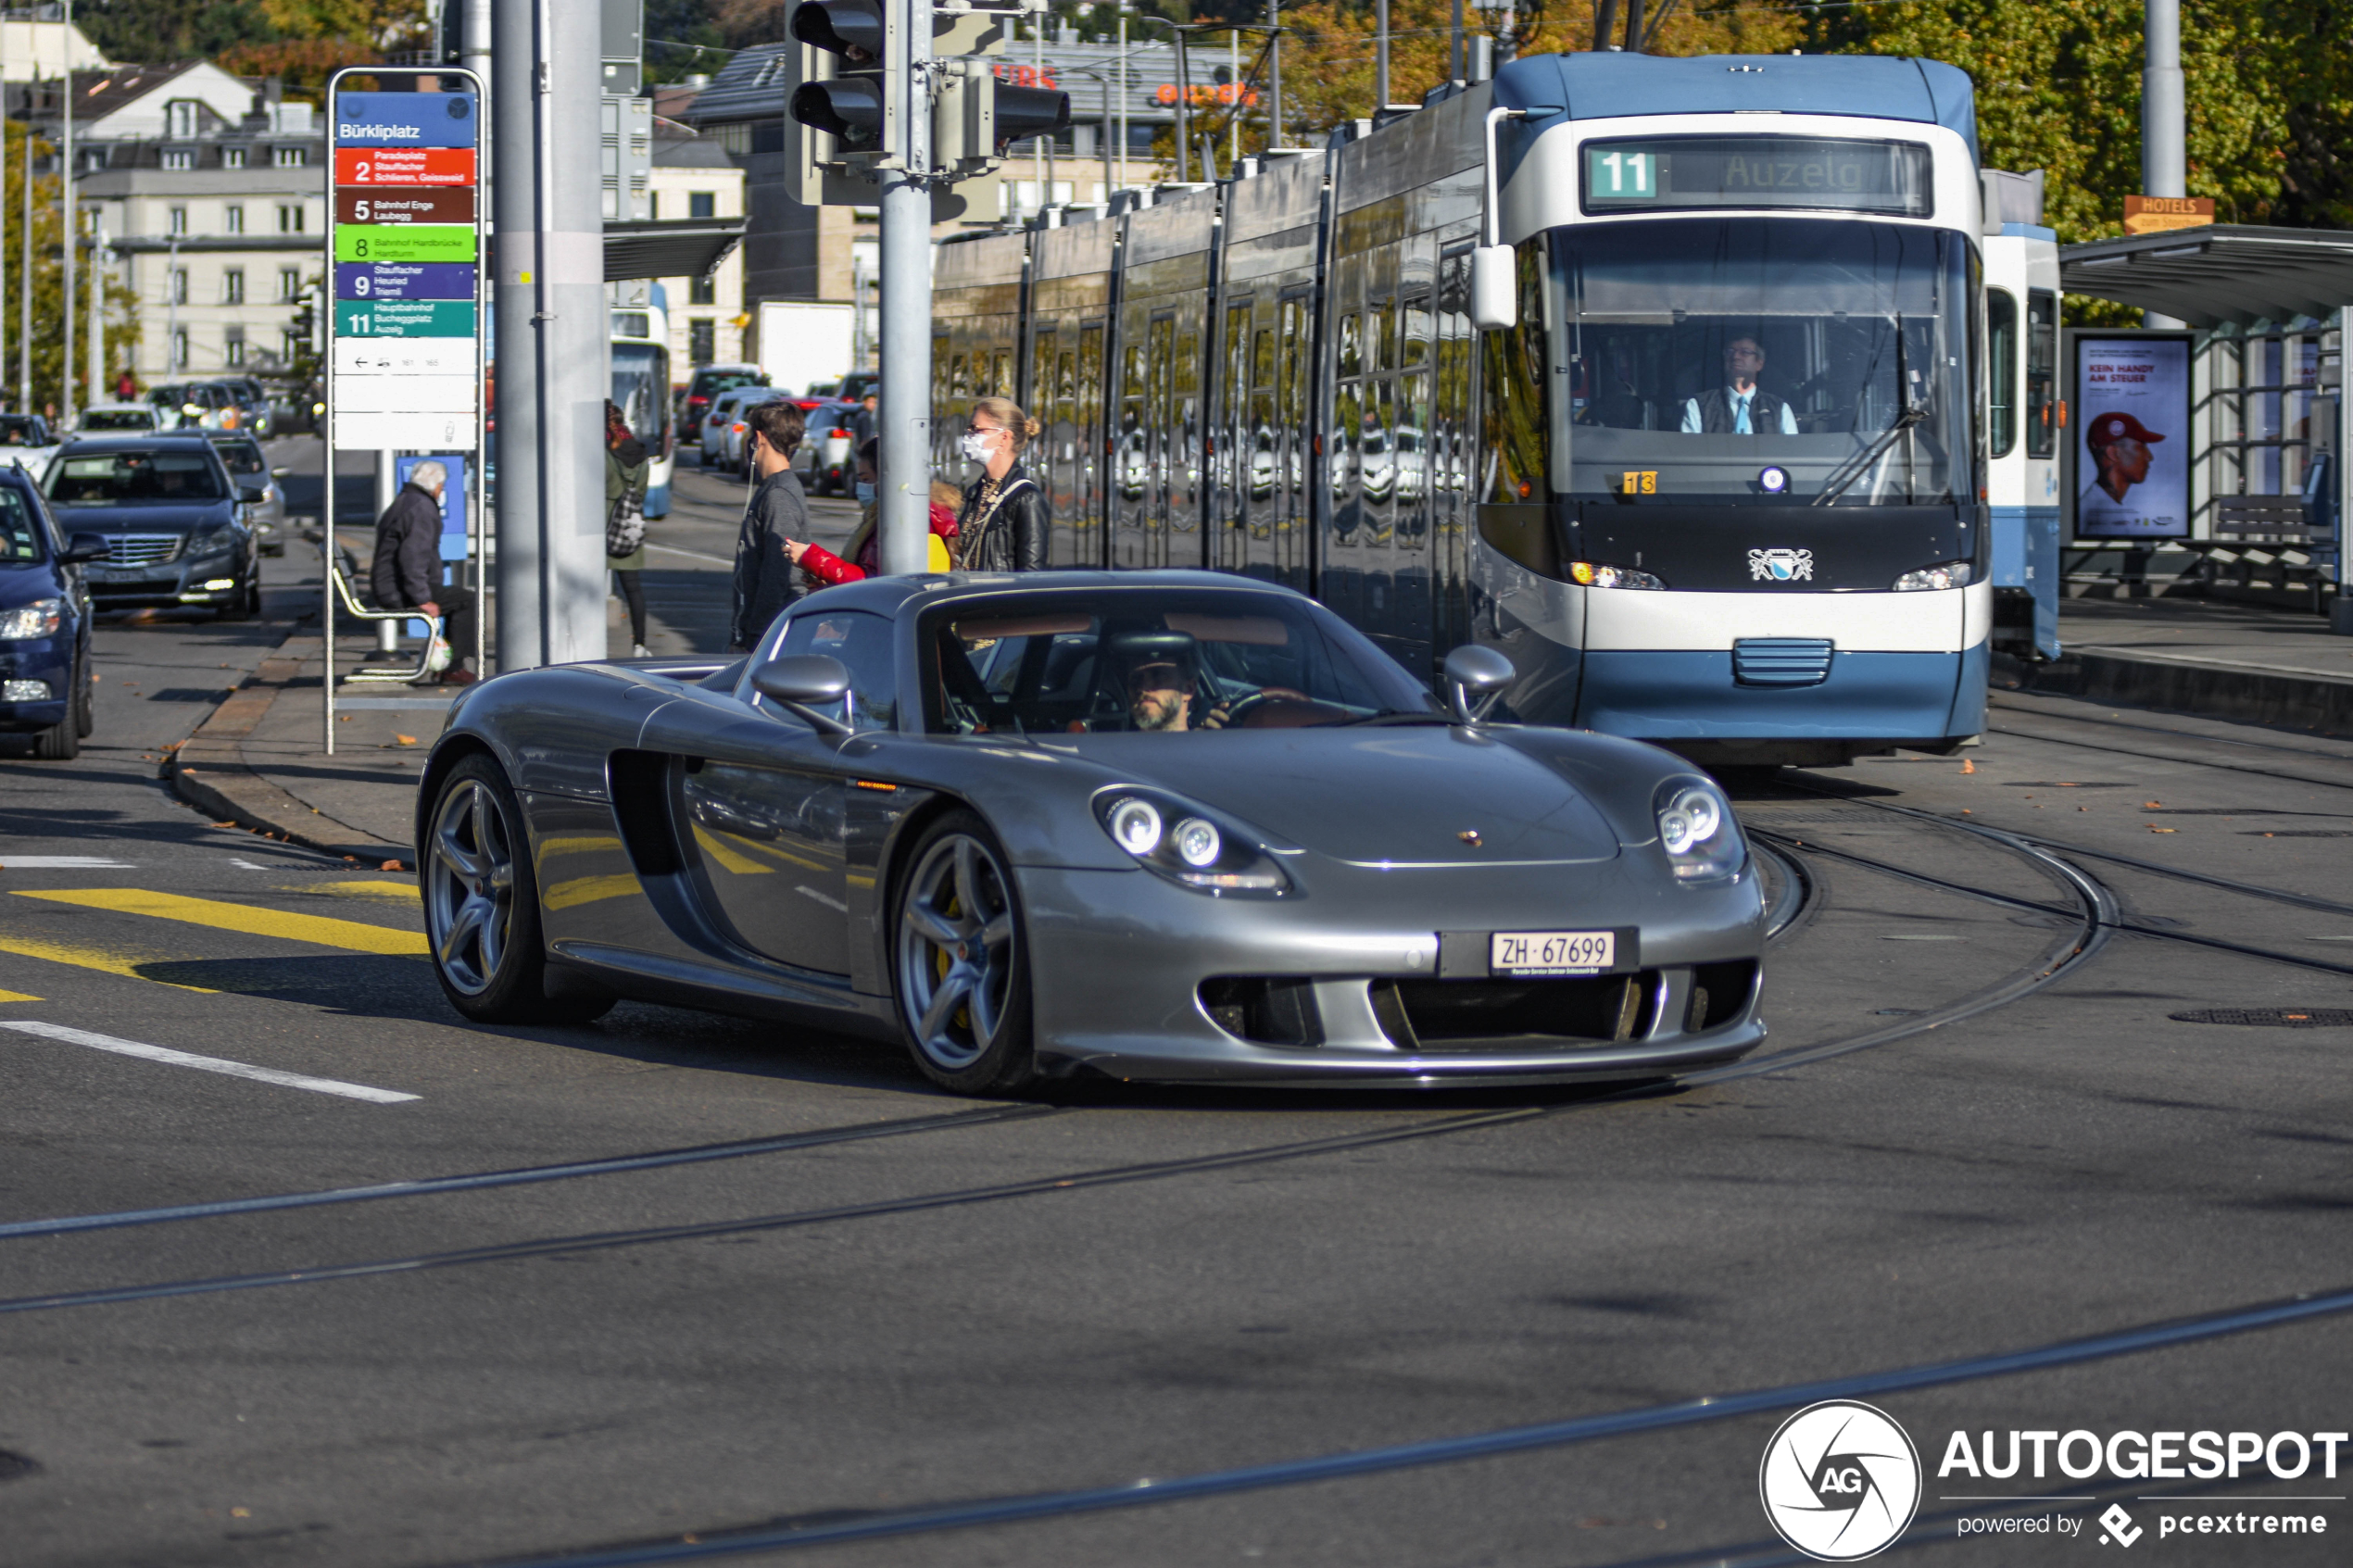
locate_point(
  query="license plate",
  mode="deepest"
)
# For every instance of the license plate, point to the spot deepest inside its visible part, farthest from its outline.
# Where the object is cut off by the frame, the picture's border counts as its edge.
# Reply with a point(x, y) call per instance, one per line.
point(1552, 952)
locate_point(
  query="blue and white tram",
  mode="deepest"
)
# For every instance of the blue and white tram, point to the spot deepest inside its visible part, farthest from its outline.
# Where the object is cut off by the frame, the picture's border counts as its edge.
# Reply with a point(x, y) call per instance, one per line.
point(1748, 515)
point(641, 390)
point(2025, 420)
point(1665, 376)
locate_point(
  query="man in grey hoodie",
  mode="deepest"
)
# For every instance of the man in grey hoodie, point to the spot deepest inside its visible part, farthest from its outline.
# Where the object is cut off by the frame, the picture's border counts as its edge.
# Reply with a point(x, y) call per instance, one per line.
point(778, 514)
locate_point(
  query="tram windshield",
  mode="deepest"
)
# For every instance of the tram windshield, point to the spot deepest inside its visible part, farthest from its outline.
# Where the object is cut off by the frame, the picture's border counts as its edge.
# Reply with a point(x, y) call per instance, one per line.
point(1778, 361)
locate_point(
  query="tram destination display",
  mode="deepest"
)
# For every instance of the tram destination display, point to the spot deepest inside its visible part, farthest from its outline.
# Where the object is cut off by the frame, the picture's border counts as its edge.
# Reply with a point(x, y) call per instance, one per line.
point(406, 245)
point(1668, 173)
point(2131, 430)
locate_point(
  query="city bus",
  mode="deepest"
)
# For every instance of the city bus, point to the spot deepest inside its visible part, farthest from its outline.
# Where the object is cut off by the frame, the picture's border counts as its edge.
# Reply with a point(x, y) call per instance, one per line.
point(641, 390)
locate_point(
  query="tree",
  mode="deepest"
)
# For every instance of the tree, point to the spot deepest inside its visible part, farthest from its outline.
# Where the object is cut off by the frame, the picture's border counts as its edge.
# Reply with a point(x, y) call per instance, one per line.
point(122, 327)
point(171, 29)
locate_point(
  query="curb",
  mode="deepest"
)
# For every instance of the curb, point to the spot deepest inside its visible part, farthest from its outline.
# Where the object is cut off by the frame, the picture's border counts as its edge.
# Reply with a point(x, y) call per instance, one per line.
point(209, 772)
point(2314, 703)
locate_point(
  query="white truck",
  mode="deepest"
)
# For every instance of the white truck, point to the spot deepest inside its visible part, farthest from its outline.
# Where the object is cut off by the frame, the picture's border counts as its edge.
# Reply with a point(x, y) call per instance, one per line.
point(802, 345)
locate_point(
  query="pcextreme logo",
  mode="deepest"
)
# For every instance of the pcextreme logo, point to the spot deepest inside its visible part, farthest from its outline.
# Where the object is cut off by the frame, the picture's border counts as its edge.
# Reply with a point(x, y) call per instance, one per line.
point(1840, 1481)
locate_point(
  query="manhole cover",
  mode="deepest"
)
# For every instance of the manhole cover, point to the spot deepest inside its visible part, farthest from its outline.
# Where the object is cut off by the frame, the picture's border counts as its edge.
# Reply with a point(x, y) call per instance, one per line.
point(2271, 1018)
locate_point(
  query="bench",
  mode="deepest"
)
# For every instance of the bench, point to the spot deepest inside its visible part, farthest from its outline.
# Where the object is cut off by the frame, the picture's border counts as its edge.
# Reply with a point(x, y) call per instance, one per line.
point(338, 574)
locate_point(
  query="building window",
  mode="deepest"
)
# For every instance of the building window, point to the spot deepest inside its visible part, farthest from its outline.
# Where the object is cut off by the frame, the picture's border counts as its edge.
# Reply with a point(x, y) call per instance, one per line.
point(290, 346)
point(232, 344)
point(179, 157)
point(290, 158)
point(179, 346)
point(232, 285)
point(179, 119)
point(289, 285)
point(233, 158)
point(702, 204)
point(179, 219)
point(290, 219)
point(702, 291)
point(232, 220)
point(653, 205)
point(179, 285)
point(703, 341)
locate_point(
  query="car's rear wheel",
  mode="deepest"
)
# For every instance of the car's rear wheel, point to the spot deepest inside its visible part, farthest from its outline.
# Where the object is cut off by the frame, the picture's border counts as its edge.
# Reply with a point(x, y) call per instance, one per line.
point(481, 905)
point(960, 964)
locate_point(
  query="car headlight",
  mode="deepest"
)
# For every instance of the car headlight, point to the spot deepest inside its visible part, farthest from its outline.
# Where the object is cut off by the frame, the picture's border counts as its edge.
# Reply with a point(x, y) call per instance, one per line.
point(1180, 842)
point(39, 619)
point(1946, 574)
point(1697, 830)
point(1590, 574)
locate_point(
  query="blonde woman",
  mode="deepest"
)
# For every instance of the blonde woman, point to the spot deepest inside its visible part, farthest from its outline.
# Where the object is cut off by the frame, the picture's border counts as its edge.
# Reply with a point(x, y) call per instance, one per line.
point(1005, 516)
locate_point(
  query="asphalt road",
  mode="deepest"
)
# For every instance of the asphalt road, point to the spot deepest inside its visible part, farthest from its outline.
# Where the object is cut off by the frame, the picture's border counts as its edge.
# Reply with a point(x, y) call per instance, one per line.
point(1132, 1284)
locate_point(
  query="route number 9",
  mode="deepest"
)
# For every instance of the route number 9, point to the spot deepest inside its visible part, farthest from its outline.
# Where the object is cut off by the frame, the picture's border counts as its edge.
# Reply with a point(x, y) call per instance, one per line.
point(359, 286)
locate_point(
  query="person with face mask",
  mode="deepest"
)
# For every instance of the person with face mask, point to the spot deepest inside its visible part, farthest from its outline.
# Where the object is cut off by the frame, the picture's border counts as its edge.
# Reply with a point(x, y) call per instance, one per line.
point(627, 465)
point(857, 557)
point(1005, 518)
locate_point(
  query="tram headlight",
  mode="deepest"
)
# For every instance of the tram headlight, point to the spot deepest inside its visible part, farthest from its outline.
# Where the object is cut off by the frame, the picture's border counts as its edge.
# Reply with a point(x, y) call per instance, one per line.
point(1592, 575)
point(1946, 574)
point(1697, 830)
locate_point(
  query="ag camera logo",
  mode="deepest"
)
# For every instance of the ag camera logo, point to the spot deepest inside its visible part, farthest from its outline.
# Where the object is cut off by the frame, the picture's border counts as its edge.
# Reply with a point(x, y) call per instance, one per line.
point(1840, 1481)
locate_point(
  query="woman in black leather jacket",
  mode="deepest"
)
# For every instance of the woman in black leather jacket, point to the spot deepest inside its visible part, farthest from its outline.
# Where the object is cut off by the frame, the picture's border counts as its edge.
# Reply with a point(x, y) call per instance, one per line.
point(1005, 516)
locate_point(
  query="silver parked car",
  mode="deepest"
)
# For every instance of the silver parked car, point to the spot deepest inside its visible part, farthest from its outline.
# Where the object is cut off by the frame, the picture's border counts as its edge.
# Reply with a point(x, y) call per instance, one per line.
point(251, 469)
point(1152, 826)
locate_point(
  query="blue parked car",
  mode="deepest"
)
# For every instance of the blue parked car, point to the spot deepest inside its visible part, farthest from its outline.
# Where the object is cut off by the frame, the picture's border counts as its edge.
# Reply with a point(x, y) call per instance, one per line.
point(44, 622)
point(177, 525)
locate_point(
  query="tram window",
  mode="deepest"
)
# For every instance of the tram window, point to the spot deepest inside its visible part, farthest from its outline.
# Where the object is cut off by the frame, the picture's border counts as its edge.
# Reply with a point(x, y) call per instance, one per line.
point(938, 370)
point(1413, 456)
point(1261, 360)
point(1131, 380)
point(1352, 345)
point(1294, 395)
point(1380, 337)
point(1041, 371)
point(1415, 349)
point(959, 381)
point(1347, 441)
point(2042, 372)
point(1000, 373)
point(2001, 403)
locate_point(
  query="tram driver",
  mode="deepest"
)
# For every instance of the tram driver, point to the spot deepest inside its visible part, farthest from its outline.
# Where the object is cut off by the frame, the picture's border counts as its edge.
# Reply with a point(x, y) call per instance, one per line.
point(1739, 406)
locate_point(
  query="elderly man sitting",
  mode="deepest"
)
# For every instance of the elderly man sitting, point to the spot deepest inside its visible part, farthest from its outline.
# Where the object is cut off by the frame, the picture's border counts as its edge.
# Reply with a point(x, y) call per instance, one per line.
point(407, 572)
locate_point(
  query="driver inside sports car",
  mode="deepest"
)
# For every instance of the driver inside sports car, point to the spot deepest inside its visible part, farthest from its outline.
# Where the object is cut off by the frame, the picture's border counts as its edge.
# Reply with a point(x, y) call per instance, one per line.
point(1162, 686)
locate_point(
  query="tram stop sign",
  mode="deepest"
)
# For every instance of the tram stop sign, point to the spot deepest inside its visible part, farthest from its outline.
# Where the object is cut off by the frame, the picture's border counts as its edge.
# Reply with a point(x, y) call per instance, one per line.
point(404, 240)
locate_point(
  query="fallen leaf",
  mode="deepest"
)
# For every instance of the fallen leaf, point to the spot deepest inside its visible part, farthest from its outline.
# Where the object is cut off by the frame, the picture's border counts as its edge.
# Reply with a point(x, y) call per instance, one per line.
point(2150, 805)
point(405, 740)
point(224, 824)
point(1969, 765)
point(2153, 828)
point(392, 866)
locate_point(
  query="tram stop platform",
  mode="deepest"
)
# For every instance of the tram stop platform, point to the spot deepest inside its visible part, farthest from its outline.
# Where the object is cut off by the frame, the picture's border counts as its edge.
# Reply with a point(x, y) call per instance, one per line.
point(2254, 664)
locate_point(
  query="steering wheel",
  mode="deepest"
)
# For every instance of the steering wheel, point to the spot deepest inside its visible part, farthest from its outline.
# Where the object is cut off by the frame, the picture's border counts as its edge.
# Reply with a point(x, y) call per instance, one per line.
point(1238, 716)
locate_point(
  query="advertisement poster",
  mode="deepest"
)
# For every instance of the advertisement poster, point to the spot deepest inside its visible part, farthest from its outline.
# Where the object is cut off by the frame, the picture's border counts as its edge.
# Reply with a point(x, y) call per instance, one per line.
point(2131, 430)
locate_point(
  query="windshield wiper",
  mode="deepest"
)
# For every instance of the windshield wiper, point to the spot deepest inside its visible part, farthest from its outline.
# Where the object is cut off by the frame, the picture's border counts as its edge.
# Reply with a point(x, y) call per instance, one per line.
point(1843, 478)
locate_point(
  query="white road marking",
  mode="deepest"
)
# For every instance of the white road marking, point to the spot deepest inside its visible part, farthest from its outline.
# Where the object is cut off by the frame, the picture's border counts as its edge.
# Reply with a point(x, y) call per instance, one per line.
point(204, 1064)
point(690, 555)
point(61, 863)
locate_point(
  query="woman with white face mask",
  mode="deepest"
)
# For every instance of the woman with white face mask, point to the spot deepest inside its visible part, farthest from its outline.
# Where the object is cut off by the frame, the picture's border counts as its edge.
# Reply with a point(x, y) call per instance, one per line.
point(1005, 518)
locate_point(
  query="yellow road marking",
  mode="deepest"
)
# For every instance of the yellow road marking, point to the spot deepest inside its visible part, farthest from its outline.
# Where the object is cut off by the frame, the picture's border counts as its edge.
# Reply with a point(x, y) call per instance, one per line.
point(404, 891)
point(590, 889)
point(17, 997)
point(92, 958)
point(221, 915)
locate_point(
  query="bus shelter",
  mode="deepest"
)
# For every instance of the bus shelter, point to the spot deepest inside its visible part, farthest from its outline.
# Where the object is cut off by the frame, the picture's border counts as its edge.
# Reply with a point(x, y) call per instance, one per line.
point(2248, 500)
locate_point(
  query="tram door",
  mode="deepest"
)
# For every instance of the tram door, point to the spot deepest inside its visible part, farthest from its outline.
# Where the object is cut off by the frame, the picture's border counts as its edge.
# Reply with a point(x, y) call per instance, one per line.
point(1243, 467)
point(1148, 446)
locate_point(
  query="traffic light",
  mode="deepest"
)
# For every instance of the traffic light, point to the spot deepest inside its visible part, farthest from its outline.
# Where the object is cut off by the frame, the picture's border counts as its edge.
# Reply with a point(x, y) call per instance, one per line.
point(976, 115)
point(841, 93)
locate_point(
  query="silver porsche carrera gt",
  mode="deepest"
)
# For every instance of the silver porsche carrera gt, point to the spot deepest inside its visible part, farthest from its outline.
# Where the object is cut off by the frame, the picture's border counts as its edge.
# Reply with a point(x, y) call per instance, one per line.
point(1153, 825)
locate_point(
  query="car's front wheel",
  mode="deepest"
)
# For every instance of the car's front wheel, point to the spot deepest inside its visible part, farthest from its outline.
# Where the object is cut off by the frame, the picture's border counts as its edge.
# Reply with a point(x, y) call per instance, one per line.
point(481, 905)
point(960, 961)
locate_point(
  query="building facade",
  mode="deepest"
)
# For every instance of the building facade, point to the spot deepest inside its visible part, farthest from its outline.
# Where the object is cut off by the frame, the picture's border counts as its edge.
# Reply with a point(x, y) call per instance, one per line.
point(693, 176)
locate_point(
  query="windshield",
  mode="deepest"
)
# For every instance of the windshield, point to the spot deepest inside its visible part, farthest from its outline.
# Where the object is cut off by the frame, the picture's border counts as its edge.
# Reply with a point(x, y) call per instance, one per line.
point(20, 430)
point(641, 389)
point(19, 535)
point(118, 419)
point(104, 479)
point(711, 384)
point(242, 457)
point(1165, 660)
point(1774, 361)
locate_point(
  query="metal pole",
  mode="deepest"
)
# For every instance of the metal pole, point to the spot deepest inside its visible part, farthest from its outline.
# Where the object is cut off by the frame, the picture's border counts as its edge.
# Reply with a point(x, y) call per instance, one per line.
point(1380, 56)
point(1234, 80)
point(903, 508)
point(96, 373)
point(2164, 158)
point(514, 208)
point(172, 308)
point(1604, 23)
point(1633, 26)
point(473, 52)
point(1275, 76)
point(575, 335)
point(24, 271)
point(1038, 145)
point(1122, 99)
point(1454, 46)
point(70, 220)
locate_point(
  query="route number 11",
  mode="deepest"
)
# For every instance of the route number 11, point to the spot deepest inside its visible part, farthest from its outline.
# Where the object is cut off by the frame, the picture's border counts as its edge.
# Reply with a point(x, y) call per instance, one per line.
point(1625, 174)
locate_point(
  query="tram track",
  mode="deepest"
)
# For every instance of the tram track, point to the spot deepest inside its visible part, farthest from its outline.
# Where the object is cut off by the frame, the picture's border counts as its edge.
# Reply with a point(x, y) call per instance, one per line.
point(832, 1528)
point(2095, 906)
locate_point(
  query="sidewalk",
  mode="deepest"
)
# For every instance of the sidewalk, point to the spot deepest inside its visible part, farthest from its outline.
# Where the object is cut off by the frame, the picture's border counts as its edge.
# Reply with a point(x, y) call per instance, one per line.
point(2198, 656)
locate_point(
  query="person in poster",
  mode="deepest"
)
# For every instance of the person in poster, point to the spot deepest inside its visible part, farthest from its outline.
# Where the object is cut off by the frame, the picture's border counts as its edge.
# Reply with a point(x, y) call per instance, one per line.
point(2133, 393)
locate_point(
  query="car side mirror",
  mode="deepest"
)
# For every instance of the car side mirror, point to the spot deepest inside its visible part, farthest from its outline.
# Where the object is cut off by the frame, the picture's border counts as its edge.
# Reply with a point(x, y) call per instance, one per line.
point(251, 495)
point(1495, 288)
point(796, 682)
point(84, 547)
point(1475, 672)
